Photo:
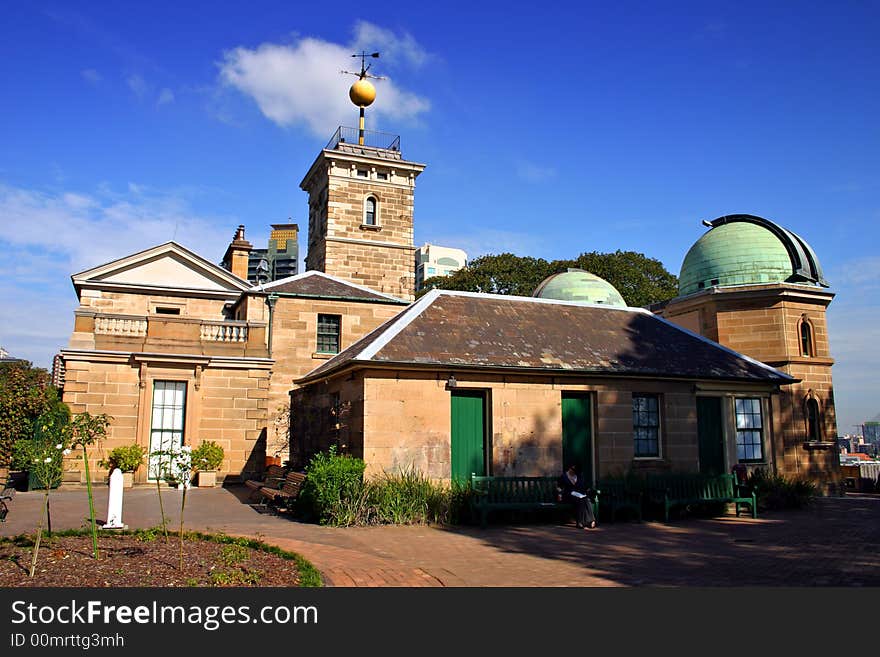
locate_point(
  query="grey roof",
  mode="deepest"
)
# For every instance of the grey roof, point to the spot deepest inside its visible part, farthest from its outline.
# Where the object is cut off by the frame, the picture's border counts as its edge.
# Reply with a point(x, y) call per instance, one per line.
point(470, 330)
point(315, 284)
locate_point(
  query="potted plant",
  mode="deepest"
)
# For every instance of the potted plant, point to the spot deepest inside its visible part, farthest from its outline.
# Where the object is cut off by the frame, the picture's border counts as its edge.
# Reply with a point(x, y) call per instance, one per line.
point(207, 459)
point(127, 458)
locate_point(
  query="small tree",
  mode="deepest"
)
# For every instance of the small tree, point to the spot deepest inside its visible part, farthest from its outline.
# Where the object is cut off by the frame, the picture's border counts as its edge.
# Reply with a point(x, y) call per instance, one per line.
point(85, 430)
point(179, 467)
point(41, 455)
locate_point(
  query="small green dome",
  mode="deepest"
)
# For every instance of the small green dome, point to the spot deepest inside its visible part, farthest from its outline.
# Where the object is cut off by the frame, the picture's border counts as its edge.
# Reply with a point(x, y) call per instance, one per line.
point(579, 285)
point(746, 250)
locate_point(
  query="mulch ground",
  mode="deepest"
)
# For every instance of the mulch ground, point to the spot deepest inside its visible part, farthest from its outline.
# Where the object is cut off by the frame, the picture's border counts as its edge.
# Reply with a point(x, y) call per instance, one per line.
point(129, 560)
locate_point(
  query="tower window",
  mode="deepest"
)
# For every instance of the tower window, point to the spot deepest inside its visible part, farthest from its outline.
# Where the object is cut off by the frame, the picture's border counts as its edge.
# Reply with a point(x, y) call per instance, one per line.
point(806, 338)
point(814, 430)
point(370, 211)
point(362, 173)
point(381, 175)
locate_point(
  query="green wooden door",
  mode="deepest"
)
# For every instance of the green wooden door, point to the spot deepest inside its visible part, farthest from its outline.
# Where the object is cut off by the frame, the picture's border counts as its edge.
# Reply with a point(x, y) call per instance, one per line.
point(577, 433)
point(710, 435)
point(468, 434)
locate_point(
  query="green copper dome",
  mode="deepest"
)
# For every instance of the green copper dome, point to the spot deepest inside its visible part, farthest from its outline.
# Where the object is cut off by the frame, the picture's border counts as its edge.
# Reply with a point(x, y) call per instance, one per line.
point(579, 285)
point(743, 250)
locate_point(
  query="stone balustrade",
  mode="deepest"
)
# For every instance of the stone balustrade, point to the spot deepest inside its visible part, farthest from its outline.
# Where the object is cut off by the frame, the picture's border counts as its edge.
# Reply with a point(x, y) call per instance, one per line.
point(121, 325)
point(224, 331)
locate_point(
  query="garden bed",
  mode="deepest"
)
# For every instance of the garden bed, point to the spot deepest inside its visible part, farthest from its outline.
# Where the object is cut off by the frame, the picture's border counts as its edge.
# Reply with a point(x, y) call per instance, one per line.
point(144, 558)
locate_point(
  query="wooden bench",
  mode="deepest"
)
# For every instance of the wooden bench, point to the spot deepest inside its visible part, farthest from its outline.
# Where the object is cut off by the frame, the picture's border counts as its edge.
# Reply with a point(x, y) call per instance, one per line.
point(517, 493)
point(620, 495)
point(287, 493)
point(685, 489)
point(5, 496)
point(273, 478)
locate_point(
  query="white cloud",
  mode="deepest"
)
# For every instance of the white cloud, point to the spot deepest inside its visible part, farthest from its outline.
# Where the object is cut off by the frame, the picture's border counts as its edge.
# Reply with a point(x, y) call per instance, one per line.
point(395, 49)
point(862, 272)
point(137, 85)
point(84, 230)
point(91, 76)
point(300, 84)
point(165, 96)
point(534, 173)
point(47, 236)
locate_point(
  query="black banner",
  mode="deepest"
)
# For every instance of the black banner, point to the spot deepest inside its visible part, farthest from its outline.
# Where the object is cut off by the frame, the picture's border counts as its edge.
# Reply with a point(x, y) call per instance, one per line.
point(66, 621)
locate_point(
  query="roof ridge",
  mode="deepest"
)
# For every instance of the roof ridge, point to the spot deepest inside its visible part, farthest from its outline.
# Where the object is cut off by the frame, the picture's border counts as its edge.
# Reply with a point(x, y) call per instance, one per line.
point(735, 353)
point(554, 302)
point(315, 272)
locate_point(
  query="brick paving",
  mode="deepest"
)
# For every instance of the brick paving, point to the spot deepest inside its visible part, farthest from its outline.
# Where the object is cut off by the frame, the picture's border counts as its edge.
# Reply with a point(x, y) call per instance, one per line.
point(831, 544)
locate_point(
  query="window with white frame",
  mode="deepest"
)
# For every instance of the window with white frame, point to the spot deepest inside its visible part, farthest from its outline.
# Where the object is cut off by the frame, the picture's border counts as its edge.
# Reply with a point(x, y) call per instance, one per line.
point(167, 423)
point(749, 430)
point(370, 213)
point(646, 426)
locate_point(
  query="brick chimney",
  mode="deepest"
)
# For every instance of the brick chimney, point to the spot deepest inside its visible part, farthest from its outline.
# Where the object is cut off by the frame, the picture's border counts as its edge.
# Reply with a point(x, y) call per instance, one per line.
point(236, 258)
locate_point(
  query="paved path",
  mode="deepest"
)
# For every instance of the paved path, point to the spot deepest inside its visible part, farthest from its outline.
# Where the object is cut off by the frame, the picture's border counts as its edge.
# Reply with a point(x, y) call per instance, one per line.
point(832, 544)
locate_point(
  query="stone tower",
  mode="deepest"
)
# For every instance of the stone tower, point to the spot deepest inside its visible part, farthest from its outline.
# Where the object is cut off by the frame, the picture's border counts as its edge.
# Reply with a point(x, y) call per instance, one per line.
point(758, 289)
point(361, 213)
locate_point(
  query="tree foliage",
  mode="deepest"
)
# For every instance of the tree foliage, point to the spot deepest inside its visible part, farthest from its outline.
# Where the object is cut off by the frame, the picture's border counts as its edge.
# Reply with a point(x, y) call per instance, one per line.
point(26, 392)
point(639, 279)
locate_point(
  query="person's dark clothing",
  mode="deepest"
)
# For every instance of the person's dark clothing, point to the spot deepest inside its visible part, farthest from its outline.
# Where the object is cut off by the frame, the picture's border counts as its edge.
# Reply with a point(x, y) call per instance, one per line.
point(582, 506)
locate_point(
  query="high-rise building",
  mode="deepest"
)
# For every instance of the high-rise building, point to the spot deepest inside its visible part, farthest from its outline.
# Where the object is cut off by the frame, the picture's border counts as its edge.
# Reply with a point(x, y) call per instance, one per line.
point(433, 260)
point(281, 256)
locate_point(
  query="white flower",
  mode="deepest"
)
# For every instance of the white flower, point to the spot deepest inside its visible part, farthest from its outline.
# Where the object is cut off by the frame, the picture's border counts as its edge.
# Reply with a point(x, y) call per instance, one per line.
point(66, 452)
point(47, 460)
point(59, 446)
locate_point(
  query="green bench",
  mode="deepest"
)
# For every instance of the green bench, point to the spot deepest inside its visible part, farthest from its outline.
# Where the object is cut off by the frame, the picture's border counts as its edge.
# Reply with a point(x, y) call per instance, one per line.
point(517, 494)
point(675, 490)
point(619, 495)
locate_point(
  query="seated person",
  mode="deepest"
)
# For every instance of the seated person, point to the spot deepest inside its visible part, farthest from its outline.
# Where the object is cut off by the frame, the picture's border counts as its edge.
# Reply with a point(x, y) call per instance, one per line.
point(572, 488)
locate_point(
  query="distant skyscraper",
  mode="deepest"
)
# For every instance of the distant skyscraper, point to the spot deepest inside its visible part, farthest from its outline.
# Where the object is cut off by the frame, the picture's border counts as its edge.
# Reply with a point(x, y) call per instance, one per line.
point(281, 256)
point(432, 260)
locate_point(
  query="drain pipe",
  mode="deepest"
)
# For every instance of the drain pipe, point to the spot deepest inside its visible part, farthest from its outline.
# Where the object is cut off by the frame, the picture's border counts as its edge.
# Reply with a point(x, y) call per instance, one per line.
point(270, 301)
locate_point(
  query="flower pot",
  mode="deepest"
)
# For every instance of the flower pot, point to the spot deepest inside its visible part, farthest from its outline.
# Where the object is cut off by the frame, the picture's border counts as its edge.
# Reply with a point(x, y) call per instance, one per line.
point(127, 479)
point(207, 478)
point(71, 477)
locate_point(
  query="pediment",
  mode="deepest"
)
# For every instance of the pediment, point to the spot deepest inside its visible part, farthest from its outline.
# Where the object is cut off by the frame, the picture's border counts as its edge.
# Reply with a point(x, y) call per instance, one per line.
point(168, 266)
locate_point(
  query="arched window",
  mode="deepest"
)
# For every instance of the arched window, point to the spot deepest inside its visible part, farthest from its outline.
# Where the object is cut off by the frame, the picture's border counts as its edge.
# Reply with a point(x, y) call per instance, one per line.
point(806, 338)
point(814, 429)
point(370, 214)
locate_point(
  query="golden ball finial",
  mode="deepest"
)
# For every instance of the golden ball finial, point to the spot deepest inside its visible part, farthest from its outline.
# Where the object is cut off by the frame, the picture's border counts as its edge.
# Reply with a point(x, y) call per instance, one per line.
point(362, 93)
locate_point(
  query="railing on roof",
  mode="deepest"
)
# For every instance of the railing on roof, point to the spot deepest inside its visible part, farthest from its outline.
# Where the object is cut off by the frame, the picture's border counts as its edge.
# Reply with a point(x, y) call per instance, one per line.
point(373, 139)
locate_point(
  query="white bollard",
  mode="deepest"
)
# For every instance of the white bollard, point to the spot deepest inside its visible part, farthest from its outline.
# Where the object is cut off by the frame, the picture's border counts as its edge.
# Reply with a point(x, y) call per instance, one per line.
point(114, 504)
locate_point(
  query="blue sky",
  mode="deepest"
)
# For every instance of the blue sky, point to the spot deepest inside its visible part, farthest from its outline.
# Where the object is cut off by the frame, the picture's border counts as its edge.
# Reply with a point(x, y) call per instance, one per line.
point(546, 132)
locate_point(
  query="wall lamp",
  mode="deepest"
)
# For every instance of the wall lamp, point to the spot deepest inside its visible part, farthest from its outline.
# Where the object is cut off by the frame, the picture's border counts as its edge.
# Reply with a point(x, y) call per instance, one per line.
point(451, 382)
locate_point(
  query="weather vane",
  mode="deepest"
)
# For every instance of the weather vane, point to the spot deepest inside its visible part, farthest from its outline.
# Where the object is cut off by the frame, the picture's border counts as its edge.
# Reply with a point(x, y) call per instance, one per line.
point(362, 92)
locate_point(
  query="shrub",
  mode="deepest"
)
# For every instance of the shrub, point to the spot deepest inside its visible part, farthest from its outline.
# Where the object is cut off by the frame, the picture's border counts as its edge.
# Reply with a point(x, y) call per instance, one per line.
point(775, 491)
point(409, 497)
point(128, 458)
point(331, 478)
point(403, 498)
point(208, 456)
